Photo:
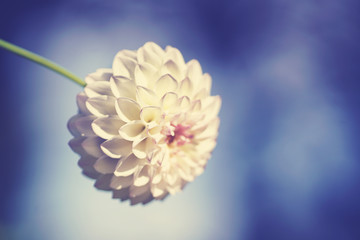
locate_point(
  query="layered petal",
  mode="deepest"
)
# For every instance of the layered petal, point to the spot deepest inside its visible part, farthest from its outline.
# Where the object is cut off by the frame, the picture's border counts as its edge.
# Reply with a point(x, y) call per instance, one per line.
point(116, 147)
point(127, 109)
point(146, 127)
point(101, 106)
point(127, 166)
point(107, 127)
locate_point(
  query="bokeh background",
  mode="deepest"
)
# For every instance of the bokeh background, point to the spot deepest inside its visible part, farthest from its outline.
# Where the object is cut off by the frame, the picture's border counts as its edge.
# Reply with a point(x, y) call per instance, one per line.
point(287, 161)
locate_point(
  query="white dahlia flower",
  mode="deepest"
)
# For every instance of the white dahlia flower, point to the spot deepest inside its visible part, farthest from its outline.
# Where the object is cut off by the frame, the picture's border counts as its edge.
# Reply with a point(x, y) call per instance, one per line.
point(146, 127)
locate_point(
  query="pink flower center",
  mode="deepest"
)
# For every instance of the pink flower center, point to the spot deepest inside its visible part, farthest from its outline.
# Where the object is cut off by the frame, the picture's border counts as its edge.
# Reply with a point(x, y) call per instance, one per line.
point(178, 135)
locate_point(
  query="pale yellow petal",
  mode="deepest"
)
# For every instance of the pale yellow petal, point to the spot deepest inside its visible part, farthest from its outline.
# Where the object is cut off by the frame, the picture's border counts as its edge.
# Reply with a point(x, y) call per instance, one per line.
point(194, 71)
point(101, 74)
point(105, 165)
point(98, 88)
point(169, 100)
point(186, 87)
point(107, 127)
point(127, 109)
point(132, 130)
point(101, 106)
point(124, 65)
point(142, 147)
point(121, 182)
point(148, 55)
point(164, 84)
point(150, 114)
point(127, 166)
point(91, 146)
point(141, 177)
point(211, 107)
point(116, 147)
point(123, 87)
point(146, 97)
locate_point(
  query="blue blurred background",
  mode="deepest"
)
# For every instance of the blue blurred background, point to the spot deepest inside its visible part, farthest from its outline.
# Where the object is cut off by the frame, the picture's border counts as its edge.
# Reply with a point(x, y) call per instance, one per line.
point(287, 161)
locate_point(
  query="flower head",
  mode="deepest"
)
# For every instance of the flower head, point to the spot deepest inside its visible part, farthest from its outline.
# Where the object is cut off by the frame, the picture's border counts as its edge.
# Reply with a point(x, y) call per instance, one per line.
point(146, 127)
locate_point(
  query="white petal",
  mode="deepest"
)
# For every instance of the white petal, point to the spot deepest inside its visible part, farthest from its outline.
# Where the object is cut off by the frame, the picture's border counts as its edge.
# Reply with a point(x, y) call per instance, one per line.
point(143, 198)
point(123, 194)
point(98, 88)
point(170, 67)
point(171, 177)
point(211, 107)
point(101, 106)
point(140, 78)
point(103, 182)
point(185, 172)
point(127, 166)
point(163, 196)
point(132, 130)
point(150, 114)
point(158, 156)
point(81, 99)
point(157, 178)
point(105, 165)
point(199, 127)
point(129, 53)
point(159, 189)
point(123, 87)
point(138, 191)
point(175, 55)
point(186, 87)
point(176, 186)
point(142, 147)
point(148, 69)
point(202, 94)
point(87, 161)
point(144, 75)
point(169, 100)
point(180, 117)
point(91, 146)
point(76, 145)
point(71, 125)
point(194, 117)
point(155, 48)
point(195, 106)
point(194, 72)
point(123, 65)
point(141, 177)
point(207, 82)
point(146, 97)
point(165, 84)
point(155, 130)
point(116, 147)
point(197, 171)
point(210, 131)
point(190, 161)
point(83, 125)
point(87, 165)
point(107, 127)
point(127, 109)
point(184, 102)
point(205, 146)
point(147, 54)
point(121, 182)
point(101, 74)
point(204, 159)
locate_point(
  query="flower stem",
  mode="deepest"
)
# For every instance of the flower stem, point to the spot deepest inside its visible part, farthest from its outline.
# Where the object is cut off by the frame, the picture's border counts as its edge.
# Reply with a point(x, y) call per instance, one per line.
point(41, 60)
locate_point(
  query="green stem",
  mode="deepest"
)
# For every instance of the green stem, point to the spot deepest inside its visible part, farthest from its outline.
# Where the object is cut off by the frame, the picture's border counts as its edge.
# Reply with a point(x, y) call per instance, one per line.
point(41, 60)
